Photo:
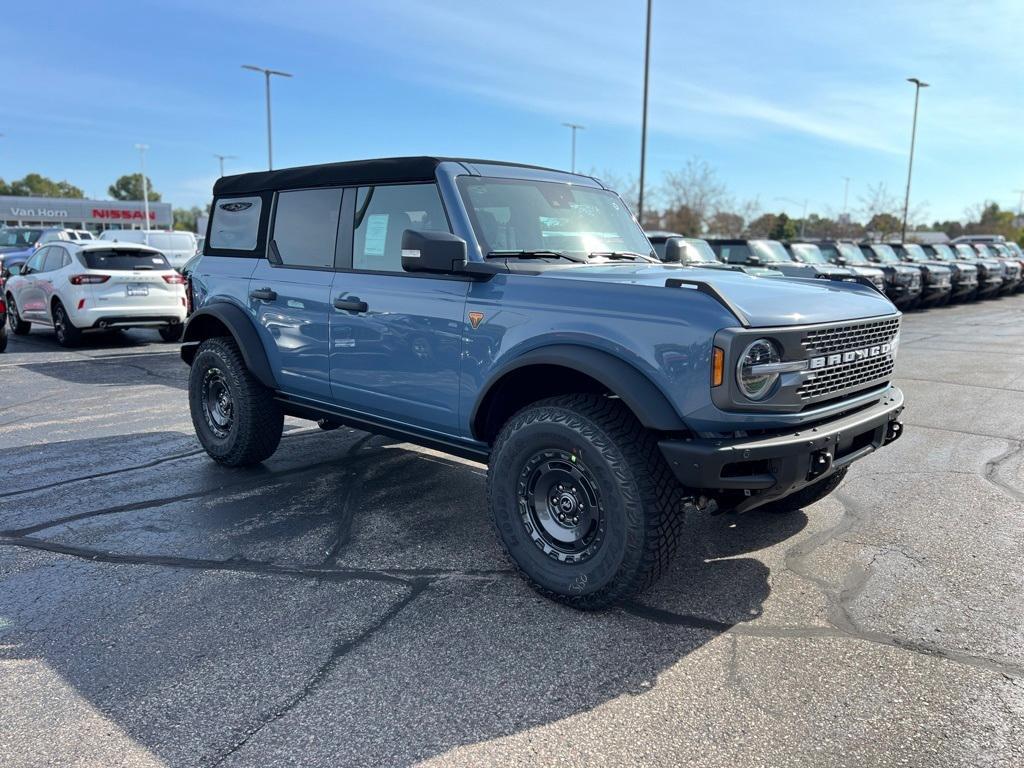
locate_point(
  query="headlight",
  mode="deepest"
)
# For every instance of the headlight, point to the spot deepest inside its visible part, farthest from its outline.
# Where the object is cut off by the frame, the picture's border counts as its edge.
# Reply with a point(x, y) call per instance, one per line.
point(753, 383)
point(904, 278)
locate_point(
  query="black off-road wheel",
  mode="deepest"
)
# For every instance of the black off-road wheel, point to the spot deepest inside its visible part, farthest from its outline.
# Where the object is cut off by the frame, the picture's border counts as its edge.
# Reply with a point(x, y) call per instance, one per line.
point(172, 332)
point(583, 500)
point(18, 326)
point(67, 334)
point(806, 496)
point(235, 416)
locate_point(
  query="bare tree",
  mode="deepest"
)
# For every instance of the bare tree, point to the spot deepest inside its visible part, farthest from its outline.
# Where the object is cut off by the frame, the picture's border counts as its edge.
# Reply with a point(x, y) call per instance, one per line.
point(695, 189)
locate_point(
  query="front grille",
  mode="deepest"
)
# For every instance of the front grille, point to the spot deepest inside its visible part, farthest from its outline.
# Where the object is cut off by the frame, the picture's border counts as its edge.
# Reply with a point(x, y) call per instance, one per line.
point(825, 341)
point(915, 280)
point(844, 338)
point(845, 376)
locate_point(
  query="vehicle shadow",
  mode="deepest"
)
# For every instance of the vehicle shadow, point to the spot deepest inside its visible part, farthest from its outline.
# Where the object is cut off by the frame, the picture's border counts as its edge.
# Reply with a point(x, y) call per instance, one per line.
point(162, 366)
point(43, 339)
point(291, 605)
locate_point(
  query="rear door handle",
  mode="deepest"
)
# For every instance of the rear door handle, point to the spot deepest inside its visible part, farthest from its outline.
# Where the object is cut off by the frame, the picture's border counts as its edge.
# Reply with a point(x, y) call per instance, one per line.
point(263, 294)
point(350, 305)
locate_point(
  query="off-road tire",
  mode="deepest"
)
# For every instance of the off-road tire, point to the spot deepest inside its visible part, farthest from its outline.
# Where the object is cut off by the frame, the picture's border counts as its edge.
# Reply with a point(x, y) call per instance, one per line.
point(19, 327)
point(172, 333)
point(641, 500)
point(3, 337)
point(67, 334)
point(806, 496)
point(256, 422)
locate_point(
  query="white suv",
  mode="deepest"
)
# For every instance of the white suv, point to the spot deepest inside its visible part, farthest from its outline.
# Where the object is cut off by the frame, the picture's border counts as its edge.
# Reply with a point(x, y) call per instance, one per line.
point(97, 285)
point(178, 247)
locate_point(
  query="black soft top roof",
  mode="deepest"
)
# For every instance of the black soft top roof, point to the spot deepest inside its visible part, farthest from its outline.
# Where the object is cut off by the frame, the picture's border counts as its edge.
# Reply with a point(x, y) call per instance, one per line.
point(389, 170)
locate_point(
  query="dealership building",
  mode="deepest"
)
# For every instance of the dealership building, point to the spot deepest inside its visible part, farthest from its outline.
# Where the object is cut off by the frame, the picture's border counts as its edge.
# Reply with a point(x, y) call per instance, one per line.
point(94, 215)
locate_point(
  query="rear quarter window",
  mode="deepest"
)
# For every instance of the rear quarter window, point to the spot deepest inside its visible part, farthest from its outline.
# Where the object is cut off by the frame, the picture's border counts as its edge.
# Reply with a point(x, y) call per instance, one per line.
point(235, 224)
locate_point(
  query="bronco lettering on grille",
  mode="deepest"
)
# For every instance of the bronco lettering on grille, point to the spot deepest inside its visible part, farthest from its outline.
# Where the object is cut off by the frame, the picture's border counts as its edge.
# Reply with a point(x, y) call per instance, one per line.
point(853, 355)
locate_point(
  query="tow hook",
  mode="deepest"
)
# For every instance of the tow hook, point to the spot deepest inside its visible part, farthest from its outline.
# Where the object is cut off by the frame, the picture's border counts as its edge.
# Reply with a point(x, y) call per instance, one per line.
point(821, 462)
point(893, 431)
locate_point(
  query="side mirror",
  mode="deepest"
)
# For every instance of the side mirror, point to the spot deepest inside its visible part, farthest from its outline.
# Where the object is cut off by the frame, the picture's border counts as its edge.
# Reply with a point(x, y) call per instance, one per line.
point(752, 259)
point(15, 269)
point(674, 250)
point(439, 252)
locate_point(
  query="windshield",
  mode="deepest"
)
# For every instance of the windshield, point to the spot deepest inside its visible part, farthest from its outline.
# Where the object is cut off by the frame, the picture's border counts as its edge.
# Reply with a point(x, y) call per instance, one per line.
point(852, 253)
point(19, 237)
point(914, 252)
point(983, 250)
point(512, 215)
point(770, 250)
point(966, 252)
point(1002, 250)
point(808, 253)
point(943, 252)
point(885, 253)
point(698, 251)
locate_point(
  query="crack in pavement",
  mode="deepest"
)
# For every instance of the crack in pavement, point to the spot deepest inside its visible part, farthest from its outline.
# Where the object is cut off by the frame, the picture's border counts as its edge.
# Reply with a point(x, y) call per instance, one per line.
point(992, 468)
point(135, 467)
point(338, 652)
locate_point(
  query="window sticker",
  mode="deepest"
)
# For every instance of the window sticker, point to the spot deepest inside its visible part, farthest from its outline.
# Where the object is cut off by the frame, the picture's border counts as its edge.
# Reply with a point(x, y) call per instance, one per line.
point(376, 234)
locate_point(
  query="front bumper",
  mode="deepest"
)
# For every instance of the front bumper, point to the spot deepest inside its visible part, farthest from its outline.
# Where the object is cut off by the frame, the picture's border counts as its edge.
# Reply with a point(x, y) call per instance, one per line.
point(767, 468)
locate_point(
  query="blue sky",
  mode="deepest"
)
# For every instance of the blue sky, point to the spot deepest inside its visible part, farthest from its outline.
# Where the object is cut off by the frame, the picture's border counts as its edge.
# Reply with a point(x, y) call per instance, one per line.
point(782, 99)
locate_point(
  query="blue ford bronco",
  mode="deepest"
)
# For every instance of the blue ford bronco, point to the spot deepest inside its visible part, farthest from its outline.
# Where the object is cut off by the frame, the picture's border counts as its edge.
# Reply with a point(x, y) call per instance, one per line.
point(518, 316)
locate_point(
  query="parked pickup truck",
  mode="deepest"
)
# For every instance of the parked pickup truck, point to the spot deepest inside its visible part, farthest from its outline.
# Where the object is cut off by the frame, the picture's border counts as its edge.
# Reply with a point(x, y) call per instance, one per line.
point(517, 316)
point(694, 252)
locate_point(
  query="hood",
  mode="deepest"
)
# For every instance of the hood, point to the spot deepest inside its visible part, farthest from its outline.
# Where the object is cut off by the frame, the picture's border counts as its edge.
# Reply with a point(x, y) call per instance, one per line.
point(779, 301)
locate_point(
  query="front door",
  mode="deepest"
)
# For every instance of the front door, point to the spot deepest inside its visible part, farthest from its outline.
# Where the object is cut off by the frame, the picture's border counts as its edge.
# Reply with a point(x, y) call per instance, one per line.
point(290, 290)
point(396, 338)
point(29, 296)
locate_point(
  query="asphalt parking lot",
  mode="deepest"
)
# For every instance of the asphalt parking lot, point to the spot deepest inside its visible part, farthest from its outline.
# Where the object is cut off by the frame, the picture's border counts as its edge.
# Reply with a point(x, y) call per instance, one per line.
point(347, 603)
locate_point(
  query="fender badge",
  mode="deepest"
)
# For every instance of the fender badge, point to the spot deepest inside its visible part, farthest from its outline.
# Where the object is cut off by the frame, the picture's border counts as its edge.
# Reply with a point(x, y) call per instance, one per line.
point(475, 318)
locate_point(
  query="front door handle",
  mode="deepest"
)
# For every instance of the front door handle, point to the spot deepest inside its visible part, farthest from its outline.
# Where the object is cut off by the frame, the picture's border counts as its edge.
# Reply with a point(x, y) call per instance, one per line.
point(350, 305)
point(263, 294)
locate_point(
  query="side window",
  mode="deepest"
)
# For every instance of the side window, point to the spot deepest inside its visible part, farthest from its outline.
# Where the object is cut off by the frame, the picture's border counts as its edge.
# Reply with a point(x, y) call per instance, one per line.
point(54, 259)
point(306, 227)
point(735, 254)
point(236, 223)
point(384, 213)
point(35, 264)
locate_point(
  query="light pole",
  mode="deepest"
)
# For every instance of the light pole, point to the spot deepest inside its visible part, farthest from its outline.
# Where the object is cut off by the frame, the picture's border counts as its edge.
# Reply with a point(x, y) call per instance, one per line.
point(846, 199)
point(918, 85)
point(222, 158)
point(574, 127)
point(145, 187)
point(266, 74)
point(803, 215)
point(643, 128)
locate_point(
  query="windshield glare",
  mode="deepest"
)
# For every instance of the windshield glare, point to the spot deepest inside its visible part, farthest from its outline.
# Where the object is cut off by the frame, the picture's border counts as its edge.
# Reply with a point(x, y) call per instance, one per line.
point(522, 215)
point(770, 250)
point(914, 252)
point(698, 251)
point(852, 253)
point(808, 253)
point(19, 237)
point(983, 250)
point(885, 253)
point(943, 252)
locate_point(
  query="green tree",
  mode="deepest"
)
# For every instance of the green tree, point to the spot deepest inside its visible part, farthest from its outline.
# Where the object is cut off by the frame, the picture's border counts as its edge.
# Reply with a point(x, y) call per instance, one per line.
point(885, 225)
point(784, 229)
point(185, 218)
point(762, 226)
point(36, 185)
point(129, 187)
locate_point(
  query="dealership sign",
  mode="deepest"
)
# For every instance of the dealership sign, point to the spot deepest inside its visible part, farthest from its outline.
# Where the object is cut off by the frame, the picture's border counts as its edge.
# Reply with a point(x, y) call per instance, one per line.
point(48, 210)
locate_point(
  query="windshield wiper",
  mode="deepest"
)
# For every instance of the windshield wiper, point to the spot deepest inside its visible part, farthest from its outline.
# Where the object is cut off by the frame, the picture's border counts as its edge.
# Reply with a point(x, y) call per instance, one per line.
point(624, 255)
point(535, 254)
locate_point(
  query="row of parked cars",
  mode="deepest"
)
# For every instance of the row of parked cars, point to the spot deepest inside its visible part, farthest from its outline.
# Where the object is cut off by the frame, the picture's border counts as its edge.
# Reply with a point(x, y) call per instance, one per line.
point(910, 274)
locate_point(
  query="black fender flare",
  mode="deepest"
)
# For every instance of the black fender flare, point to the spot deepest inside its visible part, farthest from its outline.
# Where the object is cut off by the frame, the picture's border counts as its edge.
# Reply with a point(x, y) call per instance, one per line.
point(242, 330)
point(634, 388)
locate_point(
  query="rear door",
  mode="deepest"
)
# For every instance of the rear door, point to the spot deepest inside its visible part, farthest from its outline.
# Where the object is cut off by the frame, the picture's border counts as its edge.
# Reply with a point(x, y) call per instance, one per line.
point(28, 293)
point(290, 289)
